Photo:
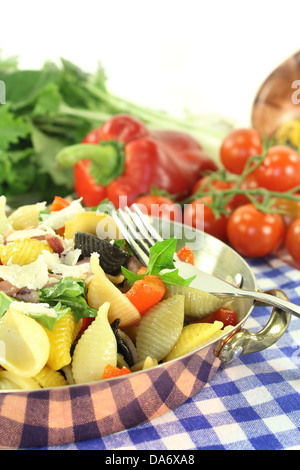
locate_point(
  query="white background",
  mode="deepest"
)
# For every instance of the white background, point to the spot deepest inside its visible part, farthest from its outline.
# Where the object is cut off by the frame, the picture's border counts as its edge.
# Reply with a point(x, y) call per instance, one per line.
point(206, 56)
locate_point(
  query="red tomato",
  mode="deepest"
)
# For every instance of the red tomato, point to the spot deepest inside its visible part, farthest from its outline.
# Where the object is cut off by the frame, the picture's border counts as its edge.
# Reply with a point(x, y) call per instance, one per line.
point(159, 206)
point(280, 169)
point(238, 146)
point(292, 240)
point(200, 216)
point(254, 233)
point(226, 315)
point(237, 200)
point(215, 183)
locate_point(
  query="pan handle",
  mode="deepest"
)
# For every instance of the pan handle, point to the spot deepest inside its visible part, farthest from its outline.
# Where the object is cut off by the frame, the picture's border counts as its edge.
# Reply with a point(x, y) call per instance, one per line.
point(244, 342)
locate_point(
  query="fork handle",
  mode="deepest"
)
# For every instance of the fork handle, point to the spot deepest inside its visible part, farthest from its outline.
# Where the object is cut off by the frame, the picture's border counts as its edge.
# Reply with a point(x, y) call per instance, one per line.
point(268, 298)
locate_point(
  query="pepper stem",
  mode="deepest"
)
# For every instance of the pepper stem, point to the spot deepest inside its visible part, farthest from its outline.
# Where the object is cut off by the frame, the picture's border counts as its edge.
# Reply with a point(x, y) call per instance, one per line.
point(107, 159)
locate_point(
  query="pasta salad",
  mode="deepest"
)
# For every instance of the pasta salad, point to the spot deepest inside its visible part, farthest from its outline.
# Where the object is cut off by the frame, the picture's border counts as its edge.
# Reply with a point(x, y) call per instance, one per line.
point(76, 306)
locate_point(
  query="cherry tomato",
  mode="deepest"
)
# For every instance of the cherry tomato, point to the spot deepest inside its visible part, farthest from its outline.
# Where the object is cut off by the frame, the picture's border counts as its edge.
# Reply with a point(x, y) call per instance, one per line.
point(199, 215)
point(159, 206)
point(280, 169)
point(292, 240)
point(254, 233)
point(221, 185)
point(238, 146)
point(206, 182)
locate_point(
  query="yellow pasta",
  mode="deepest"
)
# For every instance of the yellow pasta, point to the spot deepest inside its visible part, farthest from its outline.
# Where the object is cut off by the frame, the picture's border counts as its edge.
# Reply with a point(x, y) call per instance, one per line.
point(11, 381)
point(3, 217)
point(61, 339)
point(23, 251)
point(145, 364)
point(26, 344)
point(96, 348)
point(26, 216)
point(160, 328)
point(197, 304)
point(100, 289)
point(92, 222)
point(48, 377)
point(193, 337)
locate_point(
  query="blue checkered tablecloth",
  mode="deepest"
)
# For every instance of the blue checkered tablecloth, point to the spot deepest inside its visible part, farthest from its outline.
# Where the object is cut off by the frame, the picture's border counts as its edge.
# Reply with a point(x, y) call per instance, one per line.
point(251, 404)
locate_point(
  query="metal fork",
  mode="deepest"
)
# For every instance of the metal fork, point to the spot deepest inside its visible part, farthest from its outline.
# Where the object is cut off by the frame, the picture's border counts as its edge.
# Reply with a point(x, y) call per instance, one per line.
point(141, 235)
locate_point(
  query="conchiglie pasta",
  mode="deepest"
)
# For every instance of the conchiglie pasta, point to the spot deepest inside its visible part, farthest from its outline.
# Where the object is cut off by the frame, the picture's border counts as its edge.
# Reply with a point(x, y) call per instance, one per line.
point(3, 217)
point(100, 289)
point(145, 364)
point(23, 251)
point(92, 222)
point(96, 348)
point(61, 339)
point(197, 304)
point(195, 336)
point(26, 345)
point(160, 328)
point(11, 381)
point(26, 216)
point(47, 378)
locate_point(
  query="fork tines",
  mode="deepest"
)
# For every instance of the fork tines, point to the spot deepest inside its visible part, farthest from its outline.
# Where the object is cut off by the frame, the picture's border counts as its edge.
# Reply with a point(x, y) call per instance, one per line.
point(137, 231)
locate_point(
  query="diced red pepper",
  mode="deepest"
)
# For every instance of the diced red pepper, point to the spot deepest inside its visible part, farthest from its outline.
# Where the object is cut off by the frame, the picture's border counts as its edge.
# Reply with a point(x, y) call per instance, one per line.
point(226, 315)
point(112, 371)
point(58, 204)
point(146, 292)
point(186, 254)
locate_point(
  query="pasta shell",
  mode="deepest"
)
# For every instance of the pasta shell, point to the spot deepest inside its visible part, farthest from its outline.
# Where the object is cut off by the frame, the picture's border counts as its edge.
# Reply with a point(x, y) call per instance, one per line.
point(11, 381)
point(197, 304)
point(47, 378)
point(61, 339)
point(3, 217)
point(25, 344)
point(23, 251)
point(145, 364)
point(96, 348)
point(193, 337)
point(96, 223)
point(26, 216)
point(100, 289)
point(160, 328)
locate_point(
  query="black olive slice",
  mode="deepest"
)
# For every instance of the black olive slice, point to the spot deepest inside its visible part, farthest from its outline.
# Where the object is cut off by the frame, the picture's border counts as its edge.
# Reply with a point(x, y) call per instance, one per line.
point(112, 257)
point(122, 347)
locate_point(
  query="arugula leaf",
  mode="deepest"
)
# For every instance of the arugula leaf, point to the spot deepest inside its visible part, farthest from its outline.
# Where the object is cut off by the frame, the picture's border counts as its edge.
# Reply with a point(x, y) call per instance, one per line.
point(70, 292)
point(49, 321)
point(161, 264)
point(5, 302)
point(43, 318)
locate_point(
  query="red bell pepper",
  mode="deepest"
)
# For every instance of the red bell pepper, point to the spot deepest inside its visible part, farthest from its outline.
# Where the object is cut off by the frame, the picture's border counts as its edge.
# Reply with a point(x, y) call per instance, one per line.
point(124, 158)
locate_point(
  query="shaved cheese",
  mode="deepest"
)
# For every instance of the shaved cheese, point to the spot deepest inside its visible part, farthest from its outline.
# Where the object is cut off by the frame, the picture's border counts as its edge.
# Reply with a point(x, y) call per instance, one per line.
point(56, 220)
point(37, 309)
point(56, 266)
point(30, 233)
point(33, 275)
